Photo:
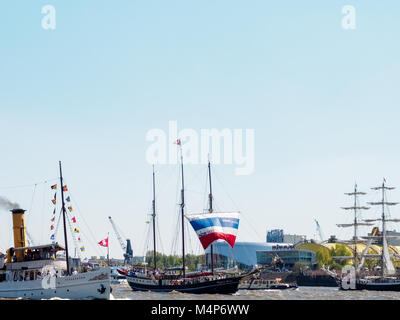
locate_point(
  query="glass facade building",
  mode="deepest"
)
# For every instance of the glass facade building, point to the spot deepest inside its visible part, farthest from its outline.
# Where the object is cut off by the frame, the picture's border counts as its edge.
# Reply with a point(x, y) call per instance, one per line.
point(289, 257)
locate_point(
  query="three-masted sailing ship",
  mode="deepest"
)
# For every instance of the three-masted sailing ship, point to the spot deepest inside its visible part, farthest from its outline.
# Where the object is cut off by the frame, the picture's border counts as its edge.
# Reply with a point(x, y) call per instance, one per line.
point(388, 280)
point(209, 226)
point(35, 272)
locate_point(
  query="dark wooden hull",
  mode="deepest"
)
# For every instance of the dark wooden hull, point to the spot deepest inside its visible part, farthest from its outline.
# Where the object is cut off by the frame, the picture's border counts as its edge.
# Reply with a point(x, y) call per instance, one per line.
point(220, 286)
point(375, 286)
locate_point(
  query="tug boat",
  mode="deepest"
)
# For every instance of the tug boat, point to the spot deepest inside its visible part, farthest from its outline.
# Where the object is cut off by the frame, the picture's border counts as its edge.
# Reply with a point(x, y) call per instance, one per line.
point(35, 272)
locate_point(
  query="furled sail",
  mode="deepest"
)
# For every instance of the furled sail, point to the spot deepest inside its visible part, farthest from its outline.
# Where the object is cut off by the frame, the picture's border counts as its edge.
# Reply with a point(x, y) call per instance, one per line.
point(214, 226)
point(389, 268)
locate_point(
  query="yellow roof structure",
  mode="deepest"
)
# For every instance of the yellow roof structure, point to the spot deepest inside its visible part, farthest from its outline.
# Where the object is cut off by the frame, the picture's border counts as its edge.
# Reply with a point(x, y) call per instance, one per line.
point(373, 249)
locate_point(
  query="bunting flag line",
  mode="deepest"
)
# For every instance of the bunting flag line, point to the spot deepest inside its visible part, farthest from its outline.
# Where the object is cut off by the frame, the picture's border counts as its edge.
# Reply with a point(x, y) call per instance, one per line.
point(54, 199)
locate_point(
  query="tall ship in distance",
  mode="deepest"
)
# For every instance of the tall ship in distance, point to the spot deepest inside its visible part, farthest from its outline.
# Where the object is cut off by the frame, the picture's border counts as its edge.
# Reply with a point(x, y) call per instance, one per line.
point(209, 226)
point(36, 272)
point(389, 279)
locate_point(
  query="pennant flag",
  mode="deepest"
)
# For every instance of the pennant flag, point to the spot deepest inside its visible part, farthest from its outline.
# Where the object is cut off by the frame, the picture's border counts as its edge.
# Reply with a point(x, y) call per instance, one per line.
point(104, 243)
point(53, 256)
point(54, 187)
point(54, 211)
point(178, 142)
point(73, 220)
point(54, 200)
point(76, 230)
point(53, 246)
point(68, 199)
point(148, 222)
point(79, 239)
point(213, 226)
point(384, 180)
point(52, 237)
point(83, 249)
point(52, 220)
point(65, 188)
point(52, 227)
point(70, 209)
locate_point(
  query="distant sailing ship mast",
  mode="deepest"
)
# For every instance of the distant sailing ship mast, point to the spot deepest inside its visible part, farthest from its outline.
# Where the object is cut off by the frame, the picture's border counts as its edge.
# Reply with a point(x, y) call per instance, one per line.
point(387, 264)
point(154, 222)
point(178, 142)
point(210, 210)
point(356, 207)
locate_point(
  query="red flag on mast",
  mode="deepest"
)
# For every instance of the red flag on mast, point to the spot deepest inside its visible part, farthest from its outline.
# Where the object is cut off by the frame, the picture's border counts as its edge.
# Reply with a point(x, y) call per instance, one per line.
point(104, 243)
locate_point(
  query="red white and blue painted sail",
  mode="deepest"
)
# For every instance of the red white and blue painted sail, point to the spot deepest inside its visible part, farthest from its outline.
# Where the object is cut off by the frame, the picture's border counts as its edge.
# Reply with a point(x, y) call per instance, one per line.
point(214, 226)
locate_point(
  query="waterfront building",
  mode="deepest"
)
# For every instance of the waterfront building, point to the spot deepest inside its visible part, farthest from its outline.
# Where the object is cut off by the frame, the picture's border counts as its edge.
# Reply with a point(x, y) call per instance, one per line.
point(244, 254)
point(278, 236)
point(289, 256)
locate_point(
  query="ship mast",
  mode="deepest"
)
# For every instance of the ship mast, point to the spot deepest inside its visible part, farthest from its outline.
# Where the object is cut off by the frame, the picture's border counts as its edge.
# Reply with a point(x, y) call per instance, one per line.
point(154, 222)
point(387, 265)
point(355, 223)
point(210, 210)
point(182, 214)
point(65, 227)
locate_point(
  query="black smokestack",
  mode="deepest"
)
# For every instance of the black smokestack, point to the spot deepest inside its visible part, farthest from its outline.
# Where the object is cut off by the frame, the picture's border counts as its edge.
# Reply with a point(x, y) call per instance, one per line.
point(7, 204)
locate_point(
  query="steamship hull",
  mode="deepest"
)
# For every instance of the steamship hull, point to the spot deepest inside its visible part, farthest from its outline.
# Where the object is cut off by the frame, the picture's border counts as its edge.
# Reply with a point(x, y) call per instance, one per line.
point(83, 286)
point(220, 286)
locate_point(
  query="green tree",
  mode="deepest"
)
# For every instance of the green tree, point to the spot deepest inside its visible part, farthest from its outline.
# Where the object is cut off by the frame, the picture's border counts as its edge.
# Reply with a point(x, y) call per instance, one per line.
point(339, 250)
point(299, 268)
point(323, 258)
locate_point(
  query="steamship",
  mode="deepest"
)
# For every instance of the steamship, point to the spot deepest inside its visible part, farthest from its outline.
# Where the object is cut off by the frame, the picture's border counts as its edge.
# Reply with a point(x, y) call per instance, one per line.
point(35, 272)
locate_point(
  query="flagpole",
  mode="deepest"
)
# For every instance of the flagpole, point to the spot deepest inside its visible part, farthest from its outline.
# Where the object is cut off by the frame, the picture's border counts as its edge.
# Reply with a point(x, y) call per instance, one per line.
point(108, 249)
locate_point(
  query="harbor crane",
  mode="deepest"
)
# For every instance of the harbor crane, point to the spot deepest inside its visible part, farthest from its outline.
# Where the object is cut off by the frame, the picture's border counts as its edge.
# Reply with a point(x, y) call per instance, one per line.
point(319, 231)
point(127, 249)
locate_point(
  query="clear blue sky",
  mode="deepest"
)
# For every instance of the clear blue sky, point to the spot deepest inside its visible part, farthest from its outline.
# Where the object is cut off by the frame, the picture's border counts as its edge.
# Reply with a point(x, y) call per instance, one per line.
point(323, 102)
